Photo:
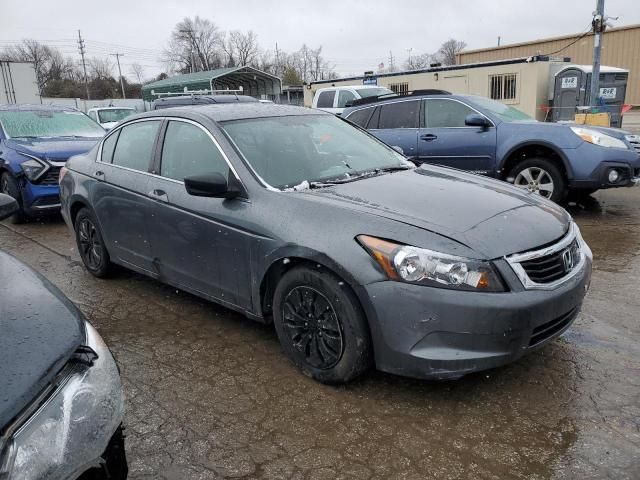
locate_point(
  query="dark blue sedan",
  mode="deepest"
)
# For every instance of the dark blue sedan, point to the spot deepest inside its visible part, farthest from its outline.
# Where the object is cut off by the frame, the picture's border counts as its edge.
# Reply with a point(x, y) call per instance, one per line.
point(35, 142)
point(487, 137)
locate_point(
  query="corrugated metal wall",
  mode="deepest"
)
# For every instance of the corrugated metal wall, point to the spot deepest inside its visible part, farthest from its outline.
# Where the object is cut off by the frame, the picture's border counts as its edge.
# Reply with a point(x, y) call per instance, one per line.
point(620, 48)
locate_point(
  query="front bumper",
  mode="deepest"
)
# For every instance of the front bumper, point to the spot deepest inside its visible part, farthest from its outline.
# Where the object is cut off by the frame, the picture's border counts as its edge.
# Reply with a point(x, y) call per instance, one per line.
point(40, 199)
point(591, 165)
point(437, 333)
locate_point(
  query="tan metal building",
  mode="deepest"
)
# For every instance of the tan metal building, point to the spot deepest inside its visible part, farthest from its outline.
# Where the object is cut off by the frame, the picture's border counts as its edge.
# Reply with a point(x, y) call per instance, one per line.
point(620, 48)
point(521, 82)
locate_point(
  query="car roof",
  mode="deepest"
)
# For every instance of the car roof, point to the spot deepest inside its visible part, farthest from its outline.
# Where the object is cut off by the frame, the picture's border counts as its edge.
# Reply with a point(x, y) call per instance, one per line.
point(204, 99)
point(237, 111)
point(402, 98)
point(27, 107)
point(110, 108)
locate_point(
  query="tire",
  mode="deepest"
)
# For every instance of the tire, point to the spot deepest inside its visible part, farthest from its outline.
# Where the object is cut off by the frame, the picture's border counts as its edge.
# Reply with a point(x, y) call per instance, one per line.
point(90, 244)
point(534, 173)
point(321, 326)
point(9, 186)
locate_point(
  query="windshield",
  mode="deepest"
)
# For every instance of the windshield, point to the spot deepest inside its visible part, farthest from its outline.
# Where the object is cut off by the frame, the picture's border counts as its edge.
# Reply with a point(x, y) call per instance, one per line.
point(287, 151)
point(114, 114)
point(49, 123)
point(500, 110)
point(373, 92)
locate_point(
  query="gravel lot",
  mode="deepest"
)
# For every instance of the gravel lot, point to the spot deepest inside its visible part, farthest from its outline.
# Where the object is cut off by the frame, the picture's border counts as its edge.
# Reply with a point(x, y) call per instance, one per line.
point(210, 395)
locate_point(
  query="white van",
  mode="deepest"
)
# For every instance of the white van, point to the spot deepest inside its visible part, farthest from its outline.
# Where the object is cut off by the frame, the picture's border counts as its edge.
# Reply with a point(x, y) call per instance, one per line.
point(334, 99)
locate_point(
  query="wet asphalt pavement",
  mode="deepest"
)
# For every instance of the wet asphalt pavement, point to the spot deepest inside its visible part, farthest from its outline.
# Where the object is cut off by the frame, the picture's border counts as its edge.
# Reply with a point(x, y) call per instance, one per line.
point(210, 395)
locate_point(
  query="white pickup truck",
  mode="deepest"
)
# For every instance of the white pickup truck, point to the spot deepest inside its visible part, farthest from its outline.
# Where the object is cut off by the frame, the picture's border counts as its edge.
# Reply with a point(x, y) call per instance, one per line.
point(335, 99)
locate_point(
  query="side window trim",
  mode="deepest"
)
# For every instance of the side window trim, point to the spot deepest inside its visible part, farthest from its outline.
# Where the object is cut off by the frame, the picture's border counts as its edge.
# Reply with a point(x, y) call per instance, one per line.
point(160, 146)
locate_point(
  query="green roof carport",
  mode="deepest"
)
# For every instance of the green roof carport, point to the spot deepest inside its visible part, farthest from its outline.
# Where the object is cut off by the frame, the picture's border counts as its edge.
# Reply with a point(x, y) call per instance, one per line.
point(253, 82)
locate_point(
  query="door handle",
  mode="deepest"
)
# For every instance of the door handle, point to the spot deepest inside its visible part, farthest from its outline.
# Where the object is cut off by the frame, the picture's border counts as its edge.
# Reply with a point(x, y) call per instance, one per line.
point(428, 137)
point(99, 175)
point(159, 195)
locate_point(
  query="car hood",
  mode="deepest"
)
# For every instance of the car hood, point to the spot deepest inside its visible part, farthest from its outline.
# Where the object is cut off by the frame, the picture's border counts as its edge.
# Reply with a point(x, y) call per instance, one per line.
point(490, 217)
point(56, 150)
point(39, 331)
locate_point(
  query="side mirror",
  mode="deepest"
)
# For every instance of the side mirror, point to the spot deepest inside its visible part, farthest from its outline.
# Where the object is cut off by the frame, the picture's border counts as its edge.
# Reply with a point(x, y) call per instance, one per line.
point(477, 120)
point(8, 206)
point(210, 185)
point(398, 149)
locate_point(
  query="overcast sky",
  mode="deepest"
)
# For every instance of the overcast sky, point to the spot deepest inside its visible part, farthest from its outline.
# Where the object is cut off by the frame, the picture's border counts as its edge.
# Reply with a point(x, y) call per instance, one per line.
point(356, 35)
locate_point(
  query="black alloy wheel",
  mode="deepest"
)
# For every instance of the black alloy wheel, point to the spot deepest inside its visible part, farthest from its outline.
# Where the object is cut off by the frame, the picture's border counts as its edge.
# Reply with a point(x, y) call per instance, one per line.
point(91, 245)
point(312, 326)
point(321, 325)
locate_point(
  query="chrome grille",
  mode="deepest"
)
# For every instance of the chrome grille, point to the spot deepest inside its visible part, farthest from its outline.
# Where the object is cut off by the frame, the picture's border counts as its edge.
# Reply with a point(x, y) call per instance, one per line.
point(554, 266)
point(551, 266)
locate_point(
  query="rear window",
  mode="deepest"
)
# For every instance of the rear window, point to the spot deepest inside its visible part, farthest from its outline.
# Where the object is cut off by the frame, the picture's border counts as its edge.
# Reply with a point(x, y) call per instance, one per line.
point(325, 99)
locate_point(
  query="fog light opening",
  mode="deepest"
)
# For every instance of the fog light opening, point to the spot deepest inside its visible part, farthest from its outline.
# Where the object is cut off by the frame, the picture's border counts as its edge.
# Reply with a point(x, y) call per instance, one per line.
point(614, 175)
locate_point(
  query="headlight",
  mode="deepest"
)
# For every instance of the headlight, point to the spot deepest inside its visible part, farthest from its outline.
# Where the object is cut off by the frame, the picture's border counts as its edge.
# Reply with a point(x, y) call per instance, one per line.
point(599, 138)
point(72, 428)
point(419, 265)
point(33, 168)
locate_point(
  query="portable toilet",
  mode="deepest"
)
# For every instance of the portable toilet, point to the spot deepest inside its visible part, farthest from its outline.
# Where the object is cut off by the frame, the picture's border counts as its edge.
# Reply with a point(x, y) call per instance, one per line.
point(572, 89)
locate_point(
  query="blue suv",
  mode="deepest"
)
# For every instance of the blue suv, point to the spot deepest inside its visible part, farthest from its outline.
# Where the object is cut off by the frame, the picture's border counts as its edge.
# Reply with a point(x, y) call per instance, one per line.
point(488, 137)
point(35, 142)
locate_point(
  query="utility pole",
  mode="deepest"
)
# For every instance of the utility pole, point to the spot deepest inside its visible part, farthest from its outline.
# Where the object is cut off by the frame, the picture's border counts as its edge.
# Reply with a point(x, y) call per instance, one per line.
point(84, 65)
point(277, 59)
point(599, 25)
point(391, 67)
point(498, 40)
point(118, 55)
point(409, 61)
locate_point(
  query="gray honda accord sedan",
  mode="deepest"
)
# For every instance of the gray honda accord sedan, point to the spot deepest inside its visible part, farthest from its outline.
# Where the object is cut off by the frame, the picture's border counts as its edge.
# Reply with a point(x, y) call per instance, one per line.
point(296, 217)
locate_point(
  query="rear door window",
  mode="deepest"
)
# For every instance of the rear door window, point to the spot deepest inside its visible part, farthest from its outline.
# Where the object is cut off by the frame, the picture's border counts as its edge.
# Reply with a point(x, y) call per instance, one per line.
point(188, 150)
point(360, 117)
point(135, 145)
point(345, 96)
point(399, 115)
point(325, 99)
point(441, 113)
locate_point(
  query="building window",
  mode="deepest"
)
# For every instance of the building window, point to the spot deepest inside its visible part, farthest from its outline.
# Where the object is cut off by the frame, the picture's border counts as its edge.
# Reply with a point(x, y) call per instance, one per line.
point(400, 88)
point(503, 86)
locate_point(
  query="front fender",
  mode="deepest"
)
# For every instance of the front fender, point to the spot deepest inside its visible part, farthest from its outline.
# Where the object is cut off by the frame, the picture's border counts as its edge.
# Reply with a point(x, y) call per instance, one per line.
point(504, 152)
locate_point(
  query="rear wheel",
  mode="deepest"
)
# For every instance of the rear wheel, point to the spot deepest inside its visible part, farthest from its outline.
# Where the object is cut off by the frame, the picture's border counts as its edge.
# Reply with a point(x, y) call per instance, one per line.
point(540, 176)
point(9, 186)
point(321, 326)
point(90, 244)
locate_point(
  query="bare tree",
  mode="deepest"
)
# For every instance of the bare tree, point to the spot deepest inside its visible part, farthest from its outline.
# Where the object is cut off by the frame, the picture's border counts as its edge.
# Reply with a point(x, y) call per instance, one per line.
point(138, 71)
point(100, 68)
point(244, 45)
point(448, 50)
point(195, 45)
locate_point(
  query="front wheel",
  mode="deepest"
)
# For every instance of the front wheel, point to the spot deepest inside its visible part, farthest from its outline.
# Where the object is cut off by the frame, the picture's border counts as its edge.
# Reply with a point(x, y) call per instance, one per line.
point(91, 247)
point(540, 176)
point(321, 326)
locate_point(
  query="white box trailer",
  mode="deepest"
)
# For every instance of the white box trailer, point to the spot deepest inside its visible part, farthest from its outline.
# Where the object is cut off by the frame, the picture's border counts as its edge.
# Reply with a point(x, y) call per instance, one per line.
point(18, 83)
